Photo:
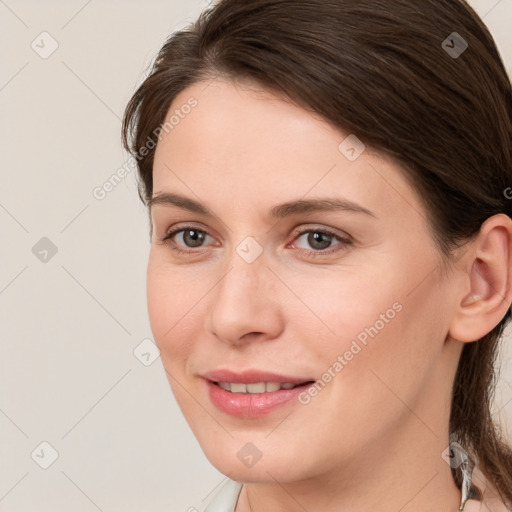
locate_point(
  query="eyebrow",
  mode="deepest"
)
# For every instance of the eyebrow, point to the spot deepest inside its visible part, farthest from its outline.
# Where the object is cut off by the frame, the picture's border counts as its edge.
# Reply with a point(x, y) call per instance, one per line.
point(279, 211)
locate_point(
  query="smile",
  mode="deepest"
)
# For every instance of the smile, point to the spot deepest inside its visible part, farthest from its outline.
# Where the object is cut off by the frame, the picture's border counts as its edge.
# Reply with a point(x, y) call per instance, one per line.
point(257, 387)
point(253, 400)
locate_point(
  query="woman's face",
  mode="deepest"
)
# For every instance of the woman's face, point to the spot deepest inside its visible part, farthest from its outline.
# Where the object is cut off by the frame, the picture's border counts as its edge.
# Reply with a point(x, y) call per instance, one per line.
point(296, 259)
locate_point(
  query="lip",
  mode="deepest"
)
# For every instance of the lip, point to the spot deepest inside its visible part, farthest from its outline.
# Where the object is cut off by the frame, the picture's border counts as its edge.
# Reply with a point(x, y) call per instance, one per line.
point(251, 405)
point(252, 377)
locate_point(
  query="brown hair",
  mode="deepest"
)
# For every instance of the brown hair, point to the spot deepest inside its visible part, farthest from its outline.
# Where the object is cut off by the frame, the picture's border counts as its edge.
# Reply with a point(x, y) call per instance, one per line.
point(381, 71)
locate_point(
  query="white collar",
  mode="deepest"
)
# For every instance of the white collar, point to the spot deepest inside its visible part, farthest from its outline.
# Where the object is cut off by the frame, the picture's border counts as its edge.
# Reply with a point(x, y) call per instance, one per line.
point(226, 498)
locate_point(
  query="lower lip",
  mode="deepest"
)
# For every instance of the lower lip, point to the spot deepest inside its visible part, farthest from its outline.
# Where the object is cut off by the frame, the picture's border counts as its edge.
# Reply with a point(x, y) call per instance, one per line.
point(251, 405)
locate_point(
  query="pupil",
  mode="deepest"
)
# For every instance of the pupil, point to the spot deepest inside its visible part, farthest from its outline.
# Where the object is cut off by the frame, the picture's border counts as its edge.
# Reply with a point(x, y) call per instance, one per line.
point(195, 240)
point(319, 238)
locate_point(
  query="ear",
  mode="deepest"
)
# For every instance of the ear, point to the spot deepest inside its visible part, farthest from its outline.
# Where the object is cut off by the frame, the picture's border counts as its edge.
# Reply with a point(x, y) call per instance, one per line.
point(486, 281)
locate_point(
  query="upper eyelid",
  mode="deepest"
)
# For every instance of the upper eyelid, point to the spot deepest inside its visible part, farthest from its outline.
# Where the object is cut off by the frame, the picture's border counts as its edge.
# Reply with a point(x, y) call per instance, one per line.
point(172, 232)
point(299, 230)
point(346, 238)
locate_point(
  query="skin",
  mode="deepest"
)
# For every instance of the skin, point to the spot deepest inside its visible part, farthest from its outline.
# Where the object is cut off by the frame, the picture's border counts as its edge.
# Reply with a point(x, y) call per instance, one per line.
point(372, 439)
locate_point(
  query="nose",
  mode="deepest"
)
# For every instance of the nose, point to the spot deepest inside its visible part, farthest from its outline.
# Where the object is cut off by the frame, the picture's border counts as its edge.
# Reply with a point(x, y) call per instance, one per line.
point(245, 303)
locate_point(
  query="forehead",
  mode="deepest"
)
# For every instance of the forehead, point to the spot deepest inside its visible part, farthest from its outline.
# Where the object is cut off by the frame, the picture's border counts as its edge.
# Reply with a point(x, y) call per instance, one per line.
point(246, 143)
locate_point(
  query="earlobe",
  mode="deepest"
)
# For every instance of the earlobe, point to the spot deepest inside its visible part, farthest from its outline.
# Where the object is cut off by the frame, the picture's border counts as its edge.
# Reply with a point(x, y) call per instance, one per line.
point(487, 272)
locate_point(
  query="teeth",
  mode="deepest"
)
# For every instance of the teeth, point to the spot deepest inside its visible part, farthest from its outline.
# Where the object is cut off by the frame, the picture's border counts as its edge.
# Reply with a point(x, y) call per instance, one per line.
point(238, 388)
point(258, 387)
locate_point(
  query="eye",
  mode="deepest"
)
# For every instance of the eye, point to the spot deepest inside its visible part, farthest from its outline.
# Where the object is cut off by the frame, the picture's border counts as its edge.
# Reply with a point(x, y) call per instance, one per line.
point(316, 241)
point(188, 237)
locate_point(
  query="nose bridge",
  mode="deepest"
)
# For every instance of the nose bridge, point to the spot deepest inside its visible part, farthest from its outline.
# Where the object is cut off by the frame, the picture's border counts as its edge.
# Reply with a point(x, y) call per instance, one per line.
point(240, 288)
point(242, 302)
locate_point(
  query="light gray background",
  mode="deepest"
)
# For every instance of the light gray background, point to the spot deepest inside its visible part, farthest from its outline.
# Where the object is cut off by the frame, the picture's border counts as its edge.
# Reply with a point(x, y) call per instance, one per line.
point(69, 326)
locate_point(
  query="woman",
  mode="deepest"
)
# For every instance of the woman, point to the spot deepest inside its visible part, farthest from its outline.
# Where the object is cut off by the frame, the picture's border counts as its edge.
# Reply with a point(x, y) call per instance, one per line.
point(330, 267)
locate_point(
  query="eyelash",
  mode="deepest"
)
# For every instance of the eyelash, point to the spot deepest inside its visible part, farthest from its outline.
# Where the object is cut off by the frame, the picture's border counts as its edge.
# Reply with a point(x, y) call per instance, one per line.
point(344, 242)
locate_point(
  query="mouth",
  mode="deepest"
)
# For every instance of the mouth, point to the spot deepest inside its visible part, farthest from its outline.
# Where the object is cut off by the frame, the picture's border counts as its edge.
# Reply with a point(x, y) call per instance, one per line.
point(252, 394)
point(258, 387)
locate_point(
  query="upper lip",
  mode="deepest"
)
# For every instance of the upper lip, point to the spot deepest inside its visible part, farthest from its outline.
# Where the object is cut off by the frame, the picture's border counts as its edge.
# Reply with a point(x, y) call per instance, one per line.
point(252, 376)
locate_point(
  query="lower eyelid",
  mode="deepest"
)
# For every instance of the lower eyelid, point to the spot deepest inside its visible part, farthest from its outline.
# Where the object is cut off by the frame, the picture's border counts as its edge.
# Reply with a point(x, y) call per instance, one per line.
point(340, 246)
point(171, 236)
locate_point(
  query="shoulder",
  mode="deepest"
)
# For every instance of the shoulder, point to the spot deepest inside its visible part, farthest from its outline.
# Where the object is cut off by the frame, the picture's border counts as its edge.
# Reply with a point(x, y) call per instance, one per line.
point(490, 501)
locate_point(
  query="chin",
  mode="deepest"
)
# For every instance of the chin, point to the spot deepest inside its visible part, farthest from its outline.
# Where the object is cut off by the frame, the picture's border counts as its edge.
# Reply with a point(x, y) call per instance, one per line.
point(244, 462)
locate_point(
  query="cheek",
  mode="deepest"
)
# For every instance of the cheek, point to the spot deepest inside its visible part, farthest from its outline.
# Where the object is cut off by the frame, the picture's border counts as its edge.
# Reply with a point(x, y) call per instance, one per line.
point(352, 303)
point(375, 324)
point(396, 350)
point(171, 298)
